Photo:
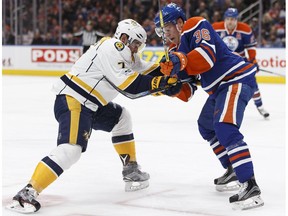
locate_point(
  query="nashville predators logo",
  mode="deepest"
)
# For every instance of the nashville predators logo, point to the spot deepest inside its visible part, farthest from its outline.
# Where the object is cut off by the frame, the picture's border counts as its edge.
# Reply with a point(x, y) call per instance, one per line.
point(119, 46)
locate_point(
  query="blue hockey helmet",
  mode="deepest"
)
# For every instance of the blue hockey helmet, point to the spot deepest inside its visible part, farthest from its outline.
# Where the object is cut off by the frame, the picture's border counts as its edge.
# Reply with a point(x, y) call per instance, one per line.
point(171, 13)
point(231, 12)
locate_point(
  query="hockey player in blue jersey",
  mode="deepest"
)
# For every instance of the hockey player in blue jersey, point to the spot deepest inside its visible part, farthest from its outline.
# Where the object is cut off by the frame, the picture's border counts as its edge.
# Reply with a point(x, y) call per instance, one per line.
point(230, 83)
point(238, 36)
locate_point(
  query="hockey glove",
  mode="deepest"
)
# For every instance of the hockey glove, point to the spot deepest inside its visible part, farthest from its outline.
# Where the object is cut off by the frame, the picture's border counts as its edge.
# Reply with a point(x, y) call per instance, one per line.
point(166, 83)
point(178, 62)
point(173, 91)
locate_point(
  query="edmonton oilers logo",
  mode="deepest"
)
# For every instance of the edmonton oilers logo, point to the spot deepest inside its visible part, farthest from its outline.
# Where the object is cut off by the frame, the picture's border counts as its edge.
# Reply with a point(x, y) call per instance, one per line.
point(231, 42)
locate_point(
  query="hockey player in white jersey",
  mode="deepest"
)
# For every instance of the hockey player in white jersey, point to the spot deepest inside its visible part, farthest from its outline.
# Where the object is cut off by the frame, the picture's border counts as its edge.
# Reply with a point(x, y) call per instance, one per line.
point(84, 102)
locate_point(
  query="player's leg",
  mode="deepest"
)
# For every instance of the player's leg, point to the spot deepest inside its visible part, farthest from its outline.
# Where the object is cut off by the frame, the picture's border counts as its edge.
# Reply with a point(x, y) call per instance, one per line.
point(231, 103)
point(117, 119)
point(258, 103)
point(228, 181)
point(75, 123)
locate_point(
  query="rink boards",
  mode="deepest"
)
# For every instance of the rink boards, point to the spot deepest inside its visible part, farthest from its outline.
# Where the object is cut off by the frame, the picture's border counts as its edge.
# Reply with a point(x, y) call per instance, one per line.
point(57, 60)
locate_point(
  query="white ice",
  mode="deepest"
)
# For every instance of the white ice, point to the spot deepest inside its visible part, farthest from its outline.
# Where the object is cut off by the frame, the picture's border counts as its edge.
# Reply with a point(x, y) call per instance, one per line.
point(169, 147)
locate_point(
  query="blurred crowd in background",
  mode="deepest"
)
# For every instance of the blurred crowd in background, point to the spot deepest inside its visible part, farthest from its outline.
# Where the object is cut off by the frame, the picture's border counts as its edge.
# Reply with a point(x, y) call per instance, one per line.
point(104, 16)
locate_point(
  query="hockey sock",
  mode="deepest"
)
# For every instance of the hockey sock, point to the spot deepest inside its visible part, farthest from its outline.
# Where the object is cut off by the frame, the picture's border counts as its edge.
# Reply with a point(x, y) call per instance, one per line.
point(241, 161)
point(220, 152)
point(125, 147)
point(257, 99)
point(46, 172)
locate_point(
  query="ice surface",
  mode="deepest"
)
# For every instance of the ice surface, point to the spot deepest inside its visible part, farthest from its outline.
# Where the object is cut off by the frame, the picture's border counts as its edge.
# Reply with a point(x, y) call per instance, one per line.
point(169, 147)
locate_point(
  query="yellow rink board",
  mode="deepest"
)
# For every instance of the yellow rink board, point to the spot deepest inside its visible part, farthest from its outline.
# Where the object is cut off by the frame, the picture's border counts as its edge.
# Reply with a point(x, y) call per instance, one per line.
point(260, 79)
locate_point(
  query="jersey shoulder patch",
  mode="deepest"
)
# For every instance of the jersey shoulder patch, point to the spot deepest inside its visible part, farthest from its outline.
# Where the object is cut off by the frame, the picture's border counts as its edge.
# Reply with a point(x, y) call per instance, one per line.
point(119, 45)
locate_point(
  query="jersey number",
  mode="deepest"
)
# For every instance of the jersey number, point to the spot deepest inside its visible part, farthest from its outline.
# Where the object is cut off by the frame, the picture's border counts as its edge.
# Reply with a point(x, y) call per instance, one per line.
point(203, 33)
point(121, 64)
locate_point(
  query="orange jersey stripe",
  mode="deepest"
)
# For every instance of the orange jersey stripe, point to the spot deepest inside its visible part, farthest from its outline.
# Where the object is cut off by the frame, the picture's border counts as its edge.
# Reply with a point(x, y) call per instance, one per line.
point(191, 23)
point(219, 149)
point(238, 72)
point(229, 112)
point(243, 27)
point(243, 154)
point(196, 63)
point(210, 52)
point(218, 25)
point(251, 54)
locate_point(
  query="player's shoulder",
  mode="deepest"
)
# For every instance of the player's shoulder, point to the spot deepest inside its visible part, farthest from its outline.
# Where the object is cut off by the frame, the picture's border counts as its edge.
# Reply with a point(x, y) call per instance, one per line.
point(218, 25)
point(244, 27)
point(193, 22)
point(115, 49)
point(114, 44)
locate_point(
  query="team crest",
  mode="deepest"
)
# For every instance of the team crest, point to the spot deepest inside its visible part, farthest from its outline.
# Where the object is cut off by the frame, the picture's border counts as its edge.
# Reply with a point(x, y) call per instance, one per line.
point(231, 42)
point(119, 46)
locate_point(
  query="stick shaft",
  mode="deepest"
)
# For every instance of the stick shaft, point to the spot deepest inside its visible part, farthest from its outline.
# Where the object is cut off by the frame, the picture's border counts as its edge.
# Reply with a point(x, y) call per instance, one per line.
point(142, 94)
point(271, 72)
point(163, 34)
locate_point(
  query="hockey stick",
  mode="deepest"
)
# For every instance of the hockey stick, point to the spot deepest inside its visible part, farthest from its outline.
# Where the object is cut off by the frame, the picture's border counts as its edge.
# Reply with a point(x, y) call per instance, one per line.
point(144, 93)
point(162, 32)
point(283, 75)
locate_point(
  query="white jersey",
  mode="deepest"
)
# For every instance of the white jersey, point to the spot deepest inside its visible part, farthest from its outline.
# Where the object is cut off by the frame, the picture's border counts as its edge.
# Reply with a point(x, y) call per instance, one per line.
point(110, 58)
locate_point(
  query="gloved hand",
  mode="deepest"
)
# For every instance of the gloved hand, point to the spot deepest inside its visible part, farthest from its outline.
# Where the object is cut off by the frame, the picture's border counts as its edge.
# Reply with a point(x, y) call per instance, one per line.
point(168, 84)
point(174, 90)
point(177, 62)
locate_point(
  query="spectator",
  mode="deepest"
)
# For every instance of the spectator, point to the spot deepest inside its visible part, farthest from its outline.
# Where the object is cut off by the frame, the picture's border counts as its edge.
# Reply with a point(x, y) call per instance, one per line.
point(216, 17)
point(104, 15)
point(37, 39)
point(9, 37)
point(49, 40)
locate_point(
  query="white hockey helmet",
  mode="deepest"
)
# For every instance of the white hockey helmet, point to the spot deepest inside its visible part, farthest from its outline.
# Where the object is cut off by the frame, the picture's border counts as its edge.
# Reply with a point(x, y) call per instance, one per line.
point(133, 30)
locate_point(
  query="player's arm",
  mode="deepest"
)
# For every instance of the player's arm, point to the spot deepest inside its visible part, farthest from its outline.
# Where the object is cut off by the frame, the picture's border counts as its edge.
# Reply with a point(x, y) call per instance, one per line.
point(134, 82)
point(117, 66)
point(249, 42)
point(78, 34)
point(146, 82)
point(203, 55)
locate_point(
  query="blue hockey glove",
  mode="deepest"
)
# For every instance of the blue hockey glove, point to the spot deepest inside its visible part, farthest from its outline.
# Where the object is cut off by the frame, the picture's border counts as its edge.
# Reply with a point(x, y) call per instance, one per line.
point(177, 62)
point(173, 90)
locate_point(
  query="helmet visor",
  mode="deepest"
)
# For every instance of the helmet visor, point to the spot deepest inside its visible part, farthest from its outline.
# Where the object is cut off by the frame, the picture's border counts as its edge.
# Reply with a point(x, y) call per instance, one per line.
point(136, 46)
point(159, 31)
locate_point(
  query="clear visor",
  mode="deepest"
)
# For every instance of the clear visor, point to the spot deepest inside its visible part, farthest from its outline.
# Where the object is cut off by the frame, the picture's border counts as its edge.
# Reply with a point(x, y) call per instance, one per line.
point(137, 45)
point(159, 31)
point(165, 30)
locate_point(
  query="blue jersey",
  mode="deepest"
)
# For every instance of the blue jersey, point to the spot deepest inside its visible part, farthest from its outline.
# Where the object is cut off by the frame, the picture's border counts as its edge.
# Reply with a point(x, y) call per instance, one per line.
point(209, 56)
point(238, 40)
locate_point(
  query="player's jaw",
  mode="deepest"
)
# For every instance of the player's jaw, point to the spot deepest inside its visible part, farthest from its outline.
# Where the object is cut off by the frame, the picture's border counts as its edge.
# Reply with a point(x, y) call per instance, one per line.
point(230, 23)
